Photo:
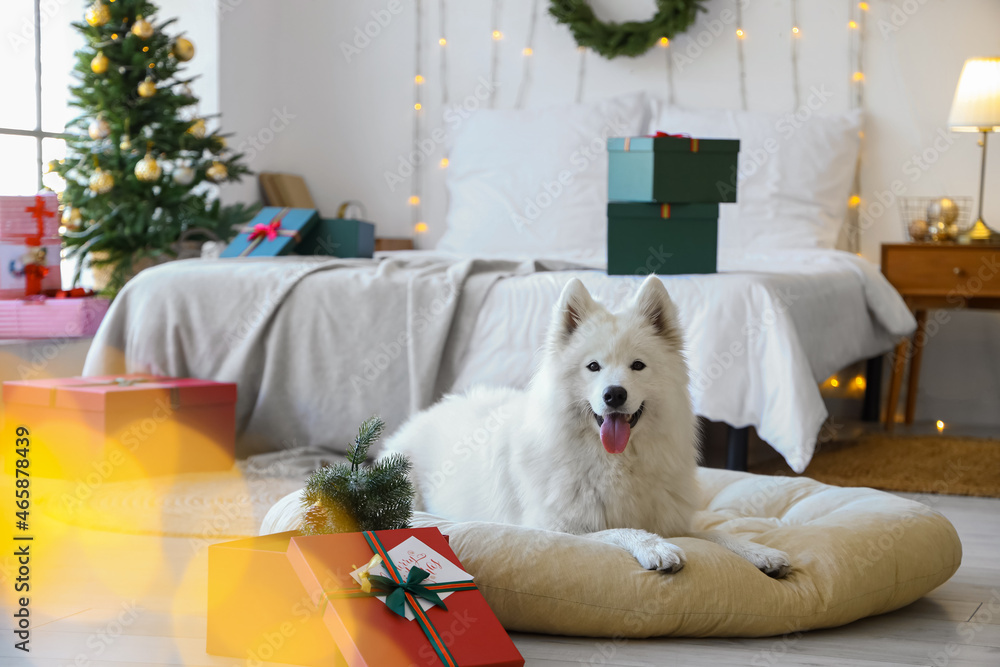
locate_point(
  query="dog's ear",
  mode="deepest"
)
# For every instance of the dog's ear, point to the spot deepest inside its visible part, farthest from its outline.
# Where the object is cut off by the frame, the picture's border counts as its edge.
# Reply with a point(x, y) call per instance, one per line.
point(575, 304)
point(654, 304)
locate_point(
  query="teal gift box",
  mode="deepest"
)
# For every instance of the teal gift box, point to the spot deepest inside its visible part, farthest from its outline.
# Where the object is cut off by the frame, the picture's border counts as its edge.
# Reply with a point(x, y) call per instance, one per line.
point(679, 170)
point(273, 232)
point(339, 237)
point(666, 239)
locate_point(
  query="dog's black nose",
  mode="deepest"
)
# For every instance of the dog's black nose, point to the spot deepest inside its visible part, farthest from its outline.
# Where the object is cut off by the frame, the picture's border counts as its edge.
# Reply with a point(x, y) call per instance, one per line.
point(614, 396)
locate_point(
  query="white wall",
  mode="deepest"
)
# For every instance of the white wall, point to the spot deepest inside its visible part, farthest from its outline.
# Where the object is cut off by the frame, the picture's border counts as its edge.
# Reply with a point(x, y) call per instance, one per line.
point(286, 85)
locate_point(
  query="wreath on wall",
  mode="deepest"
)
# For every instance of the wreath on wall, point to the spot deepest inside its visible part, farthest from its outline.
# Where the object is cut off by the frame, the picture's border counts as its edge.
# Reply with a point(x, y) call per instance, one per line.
point(632, 38)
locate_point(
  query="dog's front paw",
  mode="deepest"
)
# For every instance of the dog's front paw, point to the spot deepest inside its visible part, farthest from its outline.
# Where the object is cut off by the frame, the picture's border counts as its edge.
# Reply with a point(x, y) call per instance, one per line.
point(658, 554)
point(771, 562)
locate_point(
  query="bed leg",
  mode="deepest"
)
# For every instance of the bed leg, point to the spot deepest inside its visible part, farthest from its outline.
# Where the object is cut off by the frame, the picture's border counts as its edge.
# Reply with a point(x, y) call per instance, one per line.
point(871, 411)
point(739, 443)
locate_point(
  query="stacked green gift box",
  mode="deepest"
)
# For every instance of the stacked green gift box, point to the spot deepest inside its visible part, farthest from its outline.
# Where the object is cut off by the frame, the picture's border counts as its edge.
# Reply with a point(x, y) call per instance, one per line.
point(664, 193)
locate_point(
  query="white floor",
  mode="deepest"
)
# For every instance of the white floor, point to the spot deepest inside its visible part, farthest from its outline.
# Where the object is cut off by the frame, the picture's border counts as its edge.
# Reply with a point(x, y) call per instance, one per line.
point(107, 600)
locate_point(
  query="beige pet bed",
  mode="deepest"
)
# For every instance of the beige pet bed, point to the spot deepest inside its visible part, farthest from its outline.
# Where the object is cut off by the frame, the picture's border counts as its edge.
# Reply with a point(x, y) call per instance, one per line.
point(855, 552)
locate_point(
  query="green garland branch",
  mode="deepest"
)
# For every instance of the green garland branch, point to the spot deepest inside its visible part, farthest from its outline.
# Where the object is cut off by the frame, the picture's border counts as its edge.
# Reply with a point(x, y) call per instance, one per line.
point(632, 38)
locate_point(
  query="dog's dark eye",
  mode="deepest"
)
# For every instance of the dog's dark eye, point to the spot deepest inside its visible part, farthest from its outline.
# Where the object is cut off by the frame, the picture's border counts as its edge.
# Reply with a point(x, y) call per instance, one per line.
point(638, 365)
point(593, 367)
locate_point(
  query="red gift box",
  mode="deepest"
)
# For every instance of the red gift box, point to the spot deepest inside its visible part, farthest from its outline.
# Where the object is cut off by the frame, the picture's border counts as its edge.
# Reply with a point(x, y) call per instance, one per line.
point(122, 427)
point(370, 634)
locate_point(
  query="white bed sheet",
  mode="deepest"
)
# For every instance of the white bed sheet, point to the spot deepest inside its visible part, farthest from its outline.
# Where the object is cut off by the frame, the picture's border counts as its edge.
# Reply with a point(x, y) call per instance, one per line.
point(761, 335)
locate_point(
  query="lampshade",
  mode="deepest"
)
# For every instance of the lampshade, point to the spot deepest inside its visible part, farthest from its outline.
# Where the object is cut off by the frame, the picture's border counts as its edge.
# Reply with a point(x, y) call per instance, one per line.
point(976, 107)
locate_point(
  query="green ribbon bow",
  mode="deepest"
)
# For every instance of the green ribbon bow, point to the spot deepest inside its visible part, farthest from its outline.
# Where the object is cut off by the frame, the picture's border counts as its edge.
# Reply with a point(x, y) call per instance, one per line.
point(396, 598)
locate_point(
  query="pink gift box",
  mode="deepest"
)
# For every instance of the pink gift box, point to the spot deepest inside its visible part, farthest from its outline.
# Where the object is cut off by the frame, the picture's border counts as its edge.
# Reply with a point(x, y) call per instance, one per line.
point(19, 217)
point(43, 317)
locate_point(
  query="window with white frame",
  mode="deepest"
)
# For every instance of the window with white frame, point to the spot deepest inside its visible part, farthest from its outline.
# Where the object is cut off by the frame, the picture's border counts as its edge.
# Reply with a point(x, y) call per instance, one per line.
point(37, 44)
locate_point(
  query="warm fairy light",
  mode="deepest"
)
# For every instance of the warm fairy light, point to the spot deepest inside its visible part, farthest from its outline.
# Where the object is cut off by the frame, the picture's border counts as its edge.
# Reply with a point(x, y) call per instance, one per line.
point(418, 79)
point(420, 227)
point(527, 51)
point(834, 382)
point(145, 49)
point(795, 30)
point(854, 201)
point(443, 41)
point(414, 200)
point(853, 25)
point(861, 134)
point(863, 6)
point(151, 65)
point(497, 34)
point(664, 42)
point(444, 162)
point(859, 382)
point(740, 33)
point(114, 35)
point(940, 425)
point(858, 76)
point(418, 106)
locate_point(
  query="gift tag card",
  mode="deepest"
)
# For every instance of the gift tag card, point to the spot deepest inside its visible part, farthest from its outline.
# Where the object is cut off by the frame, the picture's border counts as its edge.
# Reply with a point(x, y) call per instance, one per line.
point(414, 553)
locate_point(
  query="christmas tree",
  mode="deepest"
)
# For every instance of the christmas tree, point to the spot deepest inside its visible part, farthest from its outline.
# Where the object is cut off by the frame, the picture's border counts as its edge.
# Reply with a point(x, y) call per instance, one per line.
point(139, 158)
point(347, 498)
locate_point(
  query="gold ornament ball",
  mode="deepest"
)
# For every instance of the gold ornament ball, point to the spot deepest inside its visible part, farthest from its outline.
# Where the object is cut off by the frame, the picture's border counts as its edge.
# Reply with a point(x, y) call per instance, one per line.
point(97, 14)
point(98, 129)
point(183, 49)
point(147, 88)
point(217, 172)
point(142, 28)
point(938, 231)
point(99, 65)
point(147, 169)
point(101, 181)
point(126, 143)
point(197, 128)
point(71, 217)
point(918, 230)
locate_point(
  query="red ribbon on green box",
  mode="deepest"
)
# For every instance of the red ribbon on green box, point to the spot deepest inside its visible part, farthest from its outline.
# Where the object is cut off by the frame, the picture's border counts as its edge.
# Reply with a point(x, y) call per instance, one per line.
point(402, 594)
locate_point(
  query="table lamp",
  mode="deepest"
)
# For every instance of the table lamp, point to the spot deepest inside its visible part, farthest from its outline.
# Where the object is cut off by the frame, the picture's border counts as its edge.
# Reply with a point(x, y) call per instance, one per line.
point(976, 108)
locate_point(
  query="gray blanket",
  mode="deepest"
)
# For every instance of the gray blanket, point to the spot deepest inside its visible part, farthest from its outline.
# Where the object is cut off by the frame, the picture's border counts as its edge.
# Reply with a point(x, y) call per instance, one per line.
point(314, 345)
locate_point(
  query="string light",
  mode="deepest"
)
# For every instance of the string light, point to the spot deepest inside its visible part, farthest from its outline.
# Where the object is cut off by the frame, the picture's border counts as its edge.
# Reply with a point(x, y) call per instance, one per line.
point(853, 25)
point(795, 30)
point(497, 35)
point(740, 33)
point(420, 227)
point(834, 382)
point(418, 106)
point(940, 425)
point(863, 6)
point(418, 79)
point(859, 76)
point(527, 51)
point(854, 201)
point(444, 162)
point(664, 42)
point(443, 42)
point(859, 382)
point(414, 200)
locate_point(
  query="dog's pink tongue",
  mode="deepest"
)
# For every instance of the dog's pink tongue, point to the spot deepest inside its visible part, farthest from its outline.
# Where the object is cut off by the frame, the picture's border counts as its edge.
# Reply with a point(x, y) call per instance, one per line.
point(614, 433)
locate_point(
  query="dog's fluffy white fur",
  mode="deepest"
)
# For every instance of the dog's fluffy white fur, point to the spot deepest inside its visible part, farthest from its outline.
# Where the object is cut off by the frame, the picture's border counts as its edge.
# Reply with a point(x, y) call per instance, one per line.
point(535, 457)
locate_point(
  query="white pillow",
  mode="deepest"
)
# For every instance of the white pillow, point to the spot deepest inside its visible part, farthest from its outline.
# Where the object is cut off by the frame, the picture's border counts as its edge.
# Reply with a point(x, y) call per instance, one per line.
point(534, 183)
point(795, 173)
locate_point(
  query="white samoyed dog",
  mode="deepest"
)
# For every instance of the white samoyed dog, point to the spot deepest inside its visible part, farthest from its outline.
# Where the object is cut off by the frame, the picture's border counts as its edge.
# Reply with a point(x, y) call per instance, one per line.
point(603, 442)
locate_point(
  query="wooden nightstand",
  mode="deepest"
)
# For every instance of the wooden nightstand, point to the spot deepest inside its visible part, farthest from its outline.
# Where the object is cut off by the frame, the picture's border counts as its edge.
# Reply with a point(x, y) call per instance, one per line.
point(932, 276)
